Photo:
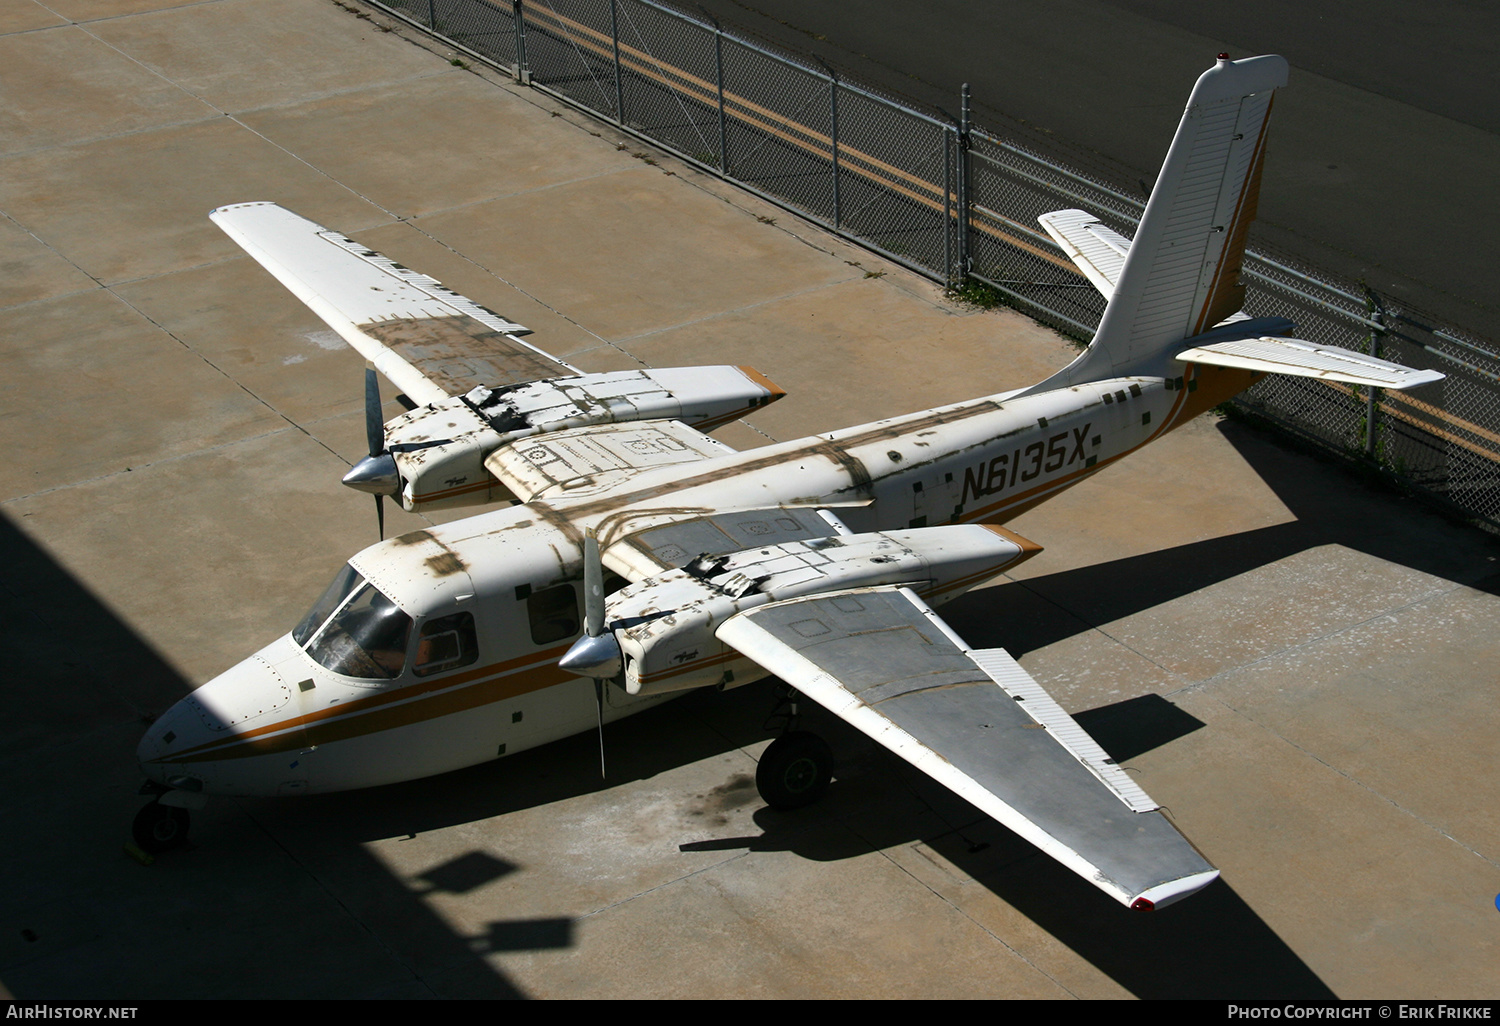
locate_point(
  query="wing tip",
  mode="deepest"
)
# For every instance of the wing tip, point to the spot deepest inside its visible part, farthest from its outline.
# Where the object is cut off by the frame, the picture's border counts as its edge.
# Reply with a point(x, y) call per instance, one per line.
point(775, 391)
point(216, 212)
point(1164, 894)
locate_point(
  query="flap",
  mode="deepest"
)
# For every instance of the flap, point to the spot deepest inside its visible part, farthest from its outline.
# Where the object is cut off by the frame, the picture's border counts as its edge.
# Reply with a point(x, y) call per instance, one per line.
point(427, 340)
point(882, 661)
point(591, 460)
point(1303, 359)
point(669, 545)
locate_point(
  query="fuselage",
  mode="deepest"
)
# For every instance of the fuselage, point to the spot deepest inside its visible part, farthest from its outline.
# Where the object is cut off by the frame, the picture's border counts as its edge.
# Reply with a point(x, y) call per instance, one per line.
point(476, 613)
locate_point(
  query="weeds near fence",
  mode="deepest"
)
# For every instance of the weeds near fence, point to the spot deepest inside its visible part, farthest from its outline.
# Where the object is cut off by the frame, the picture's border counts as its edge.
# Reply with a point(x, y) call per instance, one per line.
point(974, 293)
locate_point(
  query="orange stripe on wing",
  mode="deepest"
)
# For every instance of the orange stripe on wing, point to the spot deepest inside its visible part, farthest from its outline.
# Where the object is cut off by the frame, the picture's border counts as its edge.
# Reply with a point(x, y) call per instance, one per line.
point(448, 493)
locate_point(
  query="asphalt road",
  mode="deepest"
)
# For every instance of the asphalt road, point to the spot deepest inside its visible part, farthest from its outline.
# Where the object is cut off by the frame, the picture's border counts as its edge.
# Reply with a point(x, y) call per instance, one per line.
point(1384, 146)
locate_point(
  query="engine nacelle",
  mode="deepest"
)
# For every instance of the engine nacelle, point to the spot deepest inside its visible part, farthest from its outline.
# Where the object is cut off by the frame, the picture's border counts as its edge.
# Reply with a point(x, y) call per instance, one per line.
point(669, 639)
point(440, 448)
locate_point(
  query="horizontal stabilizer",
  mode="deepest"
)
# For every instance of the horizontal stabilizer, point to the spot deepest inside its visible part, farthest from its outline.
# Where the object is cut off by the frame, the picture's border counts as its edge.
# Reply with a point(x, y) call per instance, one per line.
point(427, 340)
point(1303, 359)
point(882, 661)
point(1097, 249)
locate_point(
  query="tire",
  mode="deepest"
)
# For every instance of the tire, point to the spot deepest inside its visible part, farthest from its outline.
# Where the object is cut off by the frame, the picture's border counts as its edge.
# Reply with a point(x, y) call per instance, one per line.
point(158, 828)
point(794, 771)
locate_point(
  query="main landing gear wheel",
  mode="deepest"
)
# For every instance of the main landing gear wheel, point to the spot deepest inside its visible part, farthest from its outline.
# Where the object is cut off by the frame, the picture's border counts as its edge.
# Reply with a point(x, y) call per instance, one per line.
point(794, 771)
point(158, 828)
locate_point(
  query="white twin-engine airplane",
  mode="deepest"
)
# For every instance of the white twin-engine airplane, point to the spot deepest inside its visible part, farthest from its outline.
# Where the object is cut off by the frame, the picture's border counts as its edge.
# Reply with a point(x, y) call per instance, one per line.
point(817, 560)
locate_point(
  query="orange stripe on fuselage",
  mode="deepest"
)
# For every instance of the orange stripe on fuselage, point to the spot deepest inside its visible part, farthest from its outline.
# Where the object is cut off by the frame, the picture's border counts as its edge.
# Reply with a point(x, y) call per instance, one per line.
point(1216, 385)
point(396, 707)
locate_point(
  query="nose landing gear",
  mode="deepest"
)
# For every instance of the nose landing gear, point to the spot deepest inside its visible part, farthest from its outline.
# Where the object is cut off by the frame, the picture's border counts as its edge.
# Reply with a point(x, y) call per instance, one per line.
point(162, 824)
point(158, 828)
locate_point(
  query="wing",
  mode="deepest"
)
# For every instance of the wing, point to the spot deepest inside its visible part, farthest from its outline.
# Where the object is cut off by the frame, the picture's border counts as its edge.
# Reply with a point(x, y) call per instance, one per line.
point(427, 340)
point(974, 721)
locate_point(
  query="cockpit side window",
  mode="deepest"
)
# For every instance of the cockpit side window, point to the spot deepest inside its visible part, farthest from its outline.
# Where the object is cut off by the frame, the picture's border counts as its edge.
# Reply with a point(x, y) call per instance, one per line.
point(365, 638)
point(445, 644)
point(553, 614)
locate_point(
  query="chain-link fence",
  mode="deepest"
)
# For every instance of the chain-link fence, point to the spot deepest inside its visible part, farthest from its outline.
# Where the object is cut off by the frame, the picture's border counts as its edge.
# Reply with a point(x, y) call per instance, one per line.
point(954, 202)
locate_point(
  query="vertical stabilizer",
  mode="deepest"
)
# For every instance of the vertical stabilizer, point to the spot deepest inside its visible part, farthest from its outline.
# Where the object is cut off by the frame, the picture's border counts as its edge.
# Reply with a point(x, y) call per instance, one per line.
point(1182, 273)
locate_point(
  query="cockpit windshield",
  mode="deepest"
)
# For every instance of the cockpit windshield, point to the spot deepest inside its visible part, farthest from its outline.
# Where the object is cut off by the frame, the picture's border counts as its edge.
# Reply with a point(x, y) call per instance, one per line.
point(355, 630)
point(343, 586)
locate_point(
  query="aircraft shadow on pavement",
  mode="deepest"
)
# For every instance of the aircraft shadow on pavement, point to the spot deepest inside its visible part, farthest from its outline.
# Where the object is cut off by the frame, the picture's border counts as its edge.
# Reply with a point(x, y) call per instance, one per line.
point(1213, 945)
point(78, 677)
point(1332, 506)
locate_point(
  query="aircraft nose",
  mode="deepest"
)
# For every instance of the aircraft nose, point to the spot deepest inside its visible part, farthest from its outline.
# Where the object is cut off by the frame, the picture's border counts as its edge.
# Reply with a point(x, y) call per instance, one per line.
point(172, 733)
point(189, 734)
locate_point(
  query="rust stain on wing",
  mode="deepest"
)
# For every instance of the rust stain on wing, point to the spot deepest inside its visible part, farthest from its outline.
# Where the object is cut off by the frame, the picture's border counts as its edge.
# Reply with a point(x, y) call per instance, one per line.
point(457, 353)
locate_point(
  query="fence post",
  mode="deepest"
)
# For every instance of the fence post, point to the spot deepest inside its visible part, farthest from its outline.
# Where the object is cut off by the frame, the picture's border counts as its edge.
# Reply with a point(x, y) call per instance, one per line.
point(833, 133)
point(719, 81)
point(961, 168)
point(1372, 397)
point(614, 31)
point(523, 69)
point(431, 17)
point(948, 207)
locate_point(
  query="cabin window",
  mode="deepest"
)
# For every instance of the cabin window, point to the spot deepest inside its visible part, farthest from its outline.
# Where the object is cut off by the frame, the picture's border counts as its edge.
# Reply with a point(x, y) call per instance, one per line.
point(554, 614)
point(445, 644)
point(365, 638)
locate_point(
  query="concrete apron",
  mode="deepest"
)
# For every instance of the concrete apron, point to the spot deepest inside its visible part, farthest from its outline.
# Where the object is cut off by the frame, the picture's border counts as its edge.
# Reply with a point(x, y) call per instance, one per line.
point(1300, 668)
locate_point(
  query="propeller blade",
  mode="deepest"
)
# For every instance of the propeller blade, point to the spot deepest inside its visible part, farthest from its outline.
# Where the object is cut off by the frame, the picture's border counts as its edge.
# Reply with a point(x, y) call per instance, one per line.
point(599, 704)
point(593, 587)
point(375, 473)
point(374, 422)
point(597, 653)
